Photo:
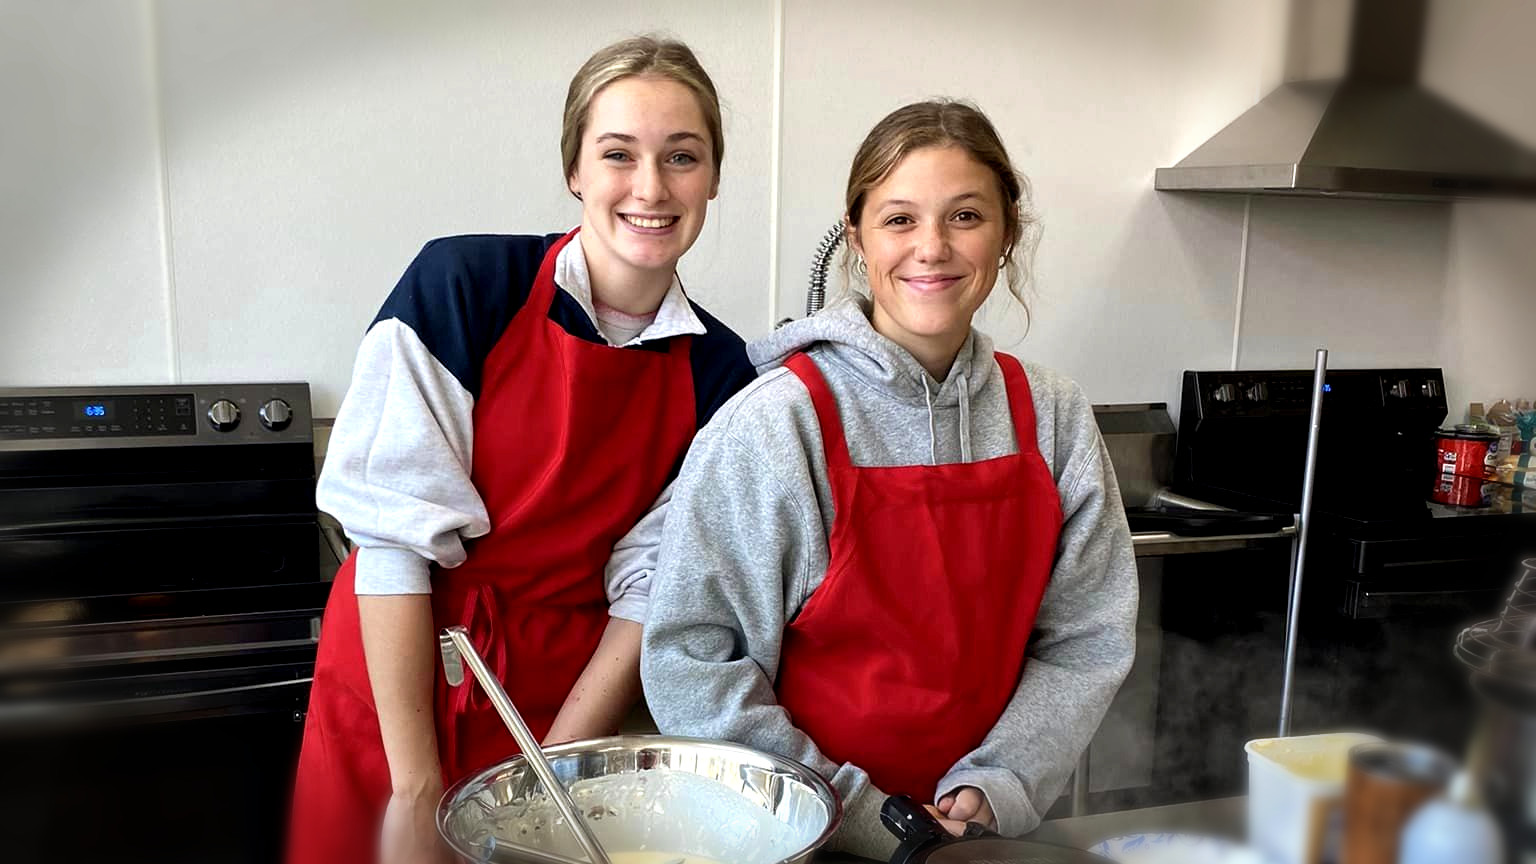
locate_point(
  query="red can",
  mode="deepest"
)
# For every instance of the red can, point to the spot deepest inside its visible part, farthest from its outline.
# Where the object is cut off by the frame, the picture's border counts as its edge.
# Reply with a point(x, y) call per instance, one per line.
point(1458, 490)
point(1466, 450)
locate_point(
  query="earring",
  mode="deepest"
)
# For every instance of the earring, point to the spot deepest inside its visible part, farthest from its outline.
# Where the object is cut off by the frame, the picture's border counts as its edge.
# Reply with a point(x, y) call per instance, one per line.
point(860, 267)
point(1002, 261)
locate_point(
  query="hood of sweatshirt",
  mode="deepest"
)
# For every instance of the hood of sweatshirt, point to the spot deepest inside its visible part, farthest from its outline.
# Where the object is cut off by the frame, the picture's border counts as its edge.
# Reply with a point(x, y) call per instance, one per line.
point(842, 335)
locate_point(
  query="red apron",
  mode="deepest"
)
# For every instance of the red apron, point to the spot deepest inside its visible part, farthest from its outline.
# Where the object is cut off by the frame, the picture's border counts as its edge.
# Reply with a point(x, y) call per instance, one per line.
point(573, 442)
point(903, 659)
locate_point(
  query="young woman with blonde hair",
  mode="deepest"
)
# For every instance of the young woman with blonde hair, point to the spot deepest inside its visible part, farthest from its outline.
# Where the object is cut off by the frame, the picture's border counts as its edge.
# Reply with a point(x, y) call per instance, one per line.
point(517, 410)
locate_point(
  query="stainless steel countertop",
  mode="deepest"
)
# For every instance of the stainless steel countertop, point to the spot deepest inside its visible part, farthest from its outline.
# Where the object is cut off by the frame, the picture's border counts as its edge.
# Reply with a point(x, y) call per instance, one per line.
point(1218, 817)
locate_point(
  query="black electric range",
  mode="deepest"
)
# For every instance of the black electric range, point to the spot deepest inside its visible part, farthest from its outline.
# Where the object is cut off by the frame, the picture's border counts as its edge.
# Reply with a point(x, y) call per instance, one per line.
point(1378, 500)
point(163, 571)
point(1393, 571)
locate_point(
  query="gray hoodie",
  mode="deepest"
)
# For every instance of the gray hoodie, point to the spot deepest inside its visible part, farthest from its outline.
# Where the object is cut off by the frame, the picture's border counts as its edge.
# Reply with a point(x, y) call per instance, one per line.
point(745, 545)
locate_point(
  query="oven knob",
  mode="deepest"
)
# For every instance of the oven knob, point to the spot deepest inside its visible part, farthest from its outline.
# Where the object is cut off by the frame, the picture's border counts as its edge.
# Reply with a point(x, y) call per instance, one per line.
point(224, 415)
point(1225, 393)
point(1431, 388)
point(276, 415)
point(1400, 389)
point(1258, 392)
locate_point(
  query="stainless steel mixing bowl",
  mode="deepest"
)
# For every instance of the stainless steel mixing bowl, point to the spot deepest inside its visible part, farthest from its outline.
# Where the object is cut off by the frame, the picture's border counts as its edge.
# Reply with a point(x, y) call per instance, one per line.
point(758, 808)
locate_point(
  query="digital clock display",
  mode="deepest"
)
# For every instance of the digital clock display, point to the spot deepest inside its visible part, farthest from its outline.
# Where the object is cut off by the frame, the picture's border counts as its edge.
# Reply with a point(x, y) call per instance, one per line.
point(95, 410)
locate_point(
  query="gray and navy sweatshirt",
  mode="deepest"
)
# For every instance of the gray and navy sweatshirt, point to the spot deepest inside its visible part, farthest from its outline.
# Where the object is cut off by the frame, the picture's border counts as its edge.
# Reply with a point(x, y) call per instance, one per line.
point(745, 546)
point(397, 469)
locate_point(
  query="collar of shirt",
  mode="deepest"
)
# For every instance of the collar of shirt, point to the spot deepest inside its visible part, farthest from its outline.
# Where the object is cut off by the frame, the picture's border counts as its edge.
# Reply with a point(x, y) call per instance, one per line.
point(674, 317)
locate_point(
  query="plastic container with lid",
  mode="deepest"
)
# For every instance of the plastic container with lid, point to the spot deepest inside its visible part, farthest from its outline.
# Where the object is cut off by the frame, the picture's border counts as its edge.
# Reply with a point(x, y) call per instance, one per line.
point(1295, 789)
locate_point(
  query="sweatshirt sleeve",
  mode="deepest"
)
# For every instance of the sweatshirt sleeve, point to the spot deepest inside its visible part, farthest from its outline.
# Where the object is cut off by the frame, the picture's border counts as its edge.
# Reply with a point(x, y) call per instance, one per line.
point(739, 543)
point(630, 568)
point(1081, 650)
point(397, 470)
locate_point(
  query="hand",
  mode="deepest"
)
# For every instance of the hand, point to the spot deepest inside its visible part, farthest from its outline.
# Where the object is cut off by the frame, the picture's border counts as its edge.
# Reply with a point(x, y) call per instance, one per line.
point(409, 833)
point(968, 804)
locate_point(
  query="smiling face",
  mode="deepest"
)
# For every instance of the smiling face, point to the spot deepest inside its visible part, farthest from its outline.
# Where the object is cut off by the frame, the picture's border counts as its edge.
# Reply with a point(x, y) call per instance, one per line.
point(645, 176)
point(931, 234)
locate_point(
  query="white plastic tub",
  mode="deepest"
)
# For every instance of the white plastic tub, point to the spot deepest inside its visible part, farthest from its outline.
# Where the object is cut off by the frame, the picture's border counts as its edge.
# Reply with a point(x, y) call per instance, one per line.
point(1295, 788)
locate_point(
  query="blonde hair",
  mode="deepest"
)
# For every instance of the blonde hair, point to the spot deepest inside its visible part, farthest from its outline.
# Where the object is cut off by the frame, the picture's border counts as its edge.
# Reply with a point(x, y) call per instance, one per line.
point(947, 123)
point(640, 55)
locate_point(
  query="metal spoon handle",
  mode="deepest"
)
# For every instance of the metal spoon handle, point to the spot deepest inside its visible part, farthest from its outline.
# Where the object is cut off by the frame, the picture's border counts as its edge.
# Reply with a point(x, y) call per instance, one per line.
point(457, 651)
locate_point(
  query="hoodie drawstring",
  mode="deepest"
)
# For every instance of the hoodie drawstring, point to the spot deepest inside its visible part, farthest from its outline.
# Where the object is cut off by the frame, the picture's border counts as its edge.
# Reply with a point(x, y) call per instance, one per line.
point(965, 418)
point(933, 436)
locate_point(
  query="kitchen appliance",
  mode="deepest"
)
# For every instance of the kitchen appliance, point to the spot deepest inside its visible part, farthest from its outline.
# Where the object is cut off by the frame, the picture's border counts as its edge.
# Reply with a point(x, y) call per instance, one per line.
point(1140, 439)
point(163, 570)
point(710, 798)
point(1153, 746)
point(1374, 133)
point(925, 841)
point(1390, 574)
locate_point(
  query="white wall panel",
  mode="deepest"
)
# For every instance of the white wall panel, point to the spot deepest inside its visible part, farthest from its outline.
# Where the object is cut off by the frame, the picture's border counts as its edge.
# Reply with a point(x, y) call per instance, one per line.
point(1364, 279)
point(82, 293)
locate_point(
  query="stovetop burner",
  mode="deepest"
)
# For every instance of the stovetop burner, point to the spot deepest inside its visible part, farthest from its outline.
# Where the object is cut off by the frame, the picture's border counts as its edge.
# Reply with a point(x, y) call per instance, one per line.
point(1242, 444)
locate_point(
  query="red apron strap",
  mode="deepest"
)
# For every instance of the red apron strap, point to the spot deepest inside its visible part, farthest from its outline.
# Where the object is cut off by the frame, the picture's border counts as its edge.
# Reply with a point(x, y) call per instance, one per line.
point(827, 415)
point(542, 292)
point(680, 344)
point(1021, 402)
point(479, 616)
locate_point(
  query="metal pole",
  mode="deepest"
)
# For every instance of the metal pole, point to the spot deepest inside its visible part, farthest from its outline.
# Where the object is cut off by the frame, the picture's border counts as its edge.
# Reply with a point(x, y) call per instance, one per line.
point(1080, 786)
point(1299, 554)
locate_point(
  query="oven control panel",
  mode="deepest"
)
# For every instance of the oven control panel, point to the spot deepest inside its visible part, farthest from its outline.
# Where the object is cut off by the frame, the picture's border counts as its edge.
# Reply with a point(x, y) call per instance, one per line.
point(1258, 394)
point(149, 416)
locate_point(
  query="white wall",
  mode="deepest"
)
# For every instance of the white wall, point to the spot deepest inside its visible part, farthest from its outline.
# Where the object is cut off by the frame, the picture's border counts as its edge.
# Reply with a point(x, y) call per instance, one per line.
point(1490, 301)
point(222, 189)
point(313, 148)
point(309, 150)
point(82, 276)
point(1090, 99)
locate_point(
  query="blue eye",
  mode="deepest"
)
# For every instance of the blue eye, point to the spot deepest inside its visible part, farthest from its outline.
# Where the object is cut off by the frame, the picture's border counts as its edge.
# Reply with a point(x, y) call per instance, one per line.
point(616, 156)
point(683, 159)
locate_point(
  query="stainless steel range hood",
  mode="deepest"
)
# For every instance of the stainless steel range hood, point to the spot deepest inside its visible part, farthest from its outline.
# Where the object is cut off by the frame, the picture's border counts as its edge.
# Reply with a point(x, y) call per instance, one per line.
point(1374, 133)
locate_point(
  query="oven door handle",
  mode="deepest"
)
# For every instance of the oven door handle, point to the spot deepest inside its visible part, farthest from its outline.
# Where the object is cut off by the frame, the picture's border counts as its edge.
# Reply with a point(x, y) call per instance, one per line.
point(1365, 602)
point(215, 699)
point(1150, 543)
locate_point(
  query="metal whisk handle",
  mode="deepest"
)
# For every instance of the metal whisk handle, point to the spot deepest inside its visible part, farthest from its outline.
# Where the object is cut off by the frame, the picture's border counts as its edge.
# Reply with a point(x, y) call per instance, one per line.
point(457, 652)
